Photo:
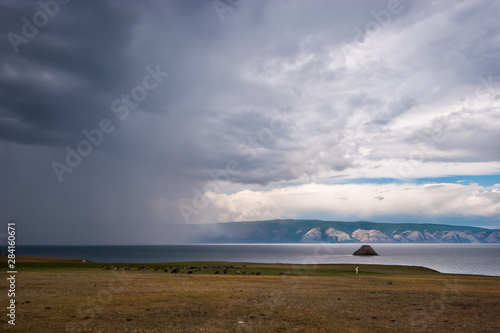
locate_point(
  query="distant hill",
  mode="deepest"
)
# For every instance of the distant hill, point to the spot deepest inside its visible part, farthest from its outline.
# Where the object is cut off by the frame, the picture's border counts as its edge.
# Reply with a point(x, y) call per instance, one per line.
point(317, 231)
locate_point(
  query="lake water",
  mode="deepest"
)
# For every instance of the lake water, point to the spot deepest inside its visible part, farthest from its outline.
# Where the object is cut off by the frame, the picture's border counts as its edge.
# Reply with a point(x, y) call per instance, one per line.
point(479, 259)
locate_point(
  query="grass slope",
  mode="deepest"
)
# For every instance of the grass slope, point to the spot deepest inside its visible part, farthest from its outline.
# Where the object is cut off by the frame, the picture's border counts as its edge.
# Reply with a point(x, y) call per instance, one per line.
point(209, 268)
point(76, 297)
point(293, 230)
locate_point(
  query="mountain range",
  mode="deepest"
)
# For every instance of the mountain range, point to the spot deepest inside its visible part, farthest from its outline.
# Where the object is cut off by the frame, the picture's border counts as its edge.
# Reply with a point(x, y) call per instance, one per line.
point(317, 231)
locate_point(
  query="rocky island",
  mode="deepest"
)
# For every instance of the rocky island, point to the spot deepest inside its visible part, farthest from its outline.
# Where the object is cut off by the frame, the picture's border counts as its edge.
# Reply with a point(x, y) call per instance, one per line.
point(365, 250)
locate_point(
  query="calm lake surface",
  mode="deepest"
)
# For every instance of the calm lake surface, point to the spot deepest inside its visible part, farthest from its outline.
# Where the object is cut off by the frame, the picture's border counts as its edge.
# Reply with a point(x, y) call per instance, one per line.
point(479, 259)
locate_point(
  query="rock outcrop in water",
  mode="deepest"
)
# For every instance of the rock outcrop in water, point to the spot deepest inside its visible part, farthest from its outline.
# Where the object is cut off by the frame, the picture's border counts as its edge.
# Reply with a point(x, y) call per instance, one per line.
point(365, 250)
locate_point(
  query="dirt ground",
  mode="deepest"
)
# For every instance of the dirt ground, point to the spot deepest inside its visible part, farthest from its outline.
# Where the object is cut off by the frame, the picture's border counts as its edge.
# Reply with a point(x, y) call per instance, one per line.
point(96, 300)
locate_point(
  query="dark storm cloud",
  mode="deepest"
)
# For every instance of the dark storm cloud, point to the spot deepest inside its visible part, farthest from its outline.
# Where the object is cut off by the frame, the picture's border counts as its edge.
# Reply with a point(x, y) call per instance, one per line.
point(289, 90)
point(60, 81)
point(63, 81)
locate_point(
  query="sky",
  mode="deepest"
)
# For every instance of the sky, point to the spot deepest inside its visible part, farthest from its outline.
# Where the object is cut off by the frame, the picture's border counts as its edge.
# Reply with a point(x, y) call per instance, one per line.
point(122, 121)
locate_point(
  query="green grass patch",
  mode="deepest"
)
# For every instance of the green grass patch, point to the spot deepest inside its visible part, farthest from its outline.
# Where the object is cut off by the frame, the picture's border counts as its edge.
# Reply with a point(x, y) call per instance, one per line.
point(227, 268)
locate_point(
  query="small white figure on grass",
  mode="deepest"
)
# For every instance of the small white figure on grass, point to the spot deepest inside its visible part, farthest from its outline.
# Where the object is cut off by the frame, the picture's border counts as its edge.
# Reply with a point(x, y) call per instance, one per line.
point(357, 270)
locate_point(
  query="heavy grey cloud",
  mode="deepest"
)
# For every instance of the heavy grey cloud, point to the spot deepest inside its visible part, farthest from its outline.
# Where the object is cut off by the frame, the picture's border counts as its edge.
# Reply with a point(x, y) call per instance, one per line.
point(291, 91)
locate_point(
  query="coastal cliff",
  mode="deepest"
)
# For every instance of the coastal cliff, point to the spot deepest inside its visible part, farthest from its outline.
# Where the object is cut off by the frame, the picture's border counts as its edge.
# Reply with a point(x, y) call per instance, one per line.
point(315, 231)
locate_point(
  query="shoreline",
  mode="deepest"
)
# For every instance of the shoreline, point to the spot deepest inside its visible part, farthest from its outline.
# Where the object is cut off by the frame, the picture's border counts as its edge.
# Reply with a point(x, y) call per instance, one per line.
point(52, 262)
point(41, 259)
point(48, 263)
point(57, 295)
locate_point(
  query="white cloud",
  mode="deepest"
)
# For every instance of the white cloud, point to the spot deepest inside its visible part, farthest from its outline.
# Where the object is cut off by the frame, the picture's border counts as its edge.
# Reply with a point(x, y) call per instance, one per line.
point(359, 201)
point(418, 80)
point(417, 98)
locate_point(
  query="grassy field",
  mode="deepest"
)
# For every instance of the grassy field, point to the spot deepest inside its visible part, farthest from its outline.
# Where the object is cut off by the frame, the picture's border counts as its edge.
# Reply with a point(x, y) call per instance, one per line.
point(77, 297)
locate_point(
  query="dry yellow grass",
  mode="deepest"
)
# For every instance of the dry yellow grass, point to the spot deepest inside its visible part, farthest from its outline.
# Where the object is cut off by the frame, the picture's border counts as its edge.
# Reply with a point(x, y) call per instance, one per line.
point(138, 301)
